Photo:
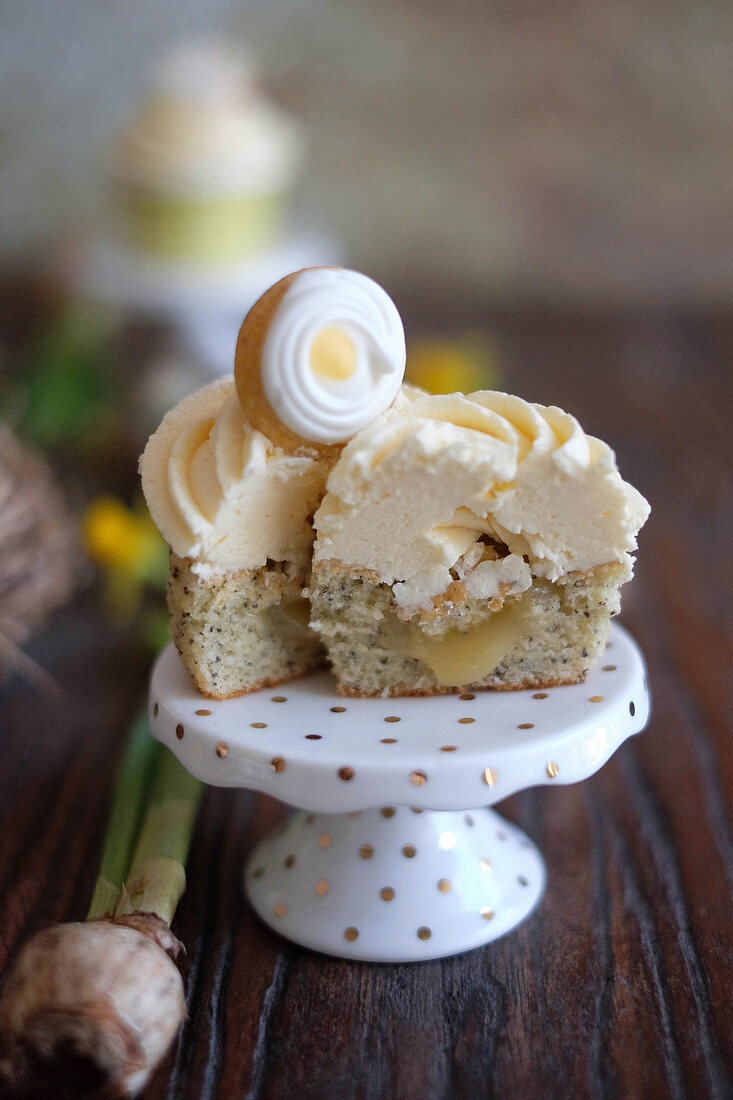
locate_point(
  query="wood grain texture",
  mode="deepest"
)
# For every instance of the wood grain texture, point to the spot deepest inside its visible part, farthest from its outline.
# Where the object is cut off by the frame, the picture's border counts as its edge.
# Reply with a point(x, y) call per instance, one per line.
point(620, 985)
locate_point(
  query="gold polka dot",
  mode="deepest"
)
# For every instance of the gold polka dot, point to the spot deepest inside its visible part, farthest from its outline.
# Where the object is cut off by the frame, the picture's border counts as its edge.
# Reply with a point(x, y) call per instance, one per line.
point(313, 737)
point(222, 749)
point(486, 912)
point(387, 811)
point(552, 769)
point(310, 819)
point(280, 910)
point(418, 778)
point(203, 712)
point(608, 668)
point(277, 764)
point(392, 718)
point(279, 699)
point(485, 865)
point(351, 934)
point(179, 731)
point(447, 748)
point(540, 695)
point(338, 710)
point(424, 933)
point(444, 885)
point(289, 861)
point(366, 851)
point(415, 810)
point(389, 741)
point(596, 699)
point(466, 721)
point(526, 726)
point(410, 851)
point(156, 709)
point(322, 887)
point(467, 697)
point(324, 840)
point(489, 776)
point(346, 774)
point(386, 893)
point(259, 725)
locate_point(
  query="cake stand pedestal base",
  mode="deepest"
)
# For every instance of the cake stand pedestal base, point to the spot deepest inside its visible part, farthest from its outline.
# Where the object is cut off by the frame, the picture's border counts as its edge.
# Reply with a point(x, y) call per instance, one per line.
point(395, 884)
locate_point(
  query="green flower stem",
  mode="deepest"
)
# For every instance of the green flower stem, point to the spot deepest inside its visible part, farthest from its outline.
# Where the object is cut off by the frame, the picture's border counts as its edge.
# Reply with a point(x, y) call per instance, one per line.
point(128, 797)
point(157, 877)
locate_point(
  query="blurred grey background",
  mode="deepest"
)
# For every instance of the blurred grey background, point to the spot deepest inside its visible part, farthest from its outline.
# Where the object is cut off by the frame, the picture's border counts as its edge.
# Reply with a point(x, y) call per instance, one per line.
point(555, 150)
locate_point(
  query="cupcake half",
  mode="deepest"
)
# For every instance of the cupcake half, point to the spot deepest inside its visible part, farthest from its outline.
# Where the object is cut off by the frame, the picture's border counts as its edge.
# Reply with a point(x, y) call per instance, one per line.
point(234, 474)
point(236, 512)
point(470, 542)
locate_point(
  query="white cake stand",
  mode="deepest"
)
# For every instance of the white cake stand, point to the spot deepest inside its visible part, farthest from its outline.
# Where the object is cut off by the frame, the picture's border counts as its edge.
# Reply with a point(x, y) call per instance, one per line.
point(395, 856)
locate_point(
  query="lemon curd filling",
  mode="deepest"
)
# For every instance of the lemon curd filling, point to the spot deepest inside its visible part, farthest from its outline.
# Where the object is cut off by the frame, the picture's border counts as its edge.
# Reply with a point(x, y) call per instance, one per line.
point(458, 657)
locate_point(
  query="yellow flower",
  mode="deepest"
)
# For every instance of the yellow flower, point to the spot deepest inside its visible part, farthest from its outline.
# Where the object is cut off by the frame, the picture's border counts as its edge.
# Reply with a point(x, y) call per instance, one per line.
point(127, 545)
point(114, 537)
point(460, 365)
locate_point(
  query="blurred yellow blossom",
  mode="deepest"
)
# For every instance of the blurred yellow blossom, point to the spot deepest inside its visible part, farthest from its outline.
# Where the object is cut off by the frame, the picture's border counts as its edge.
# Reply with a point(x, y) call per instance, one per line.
point(459, 365)
point(127, 546)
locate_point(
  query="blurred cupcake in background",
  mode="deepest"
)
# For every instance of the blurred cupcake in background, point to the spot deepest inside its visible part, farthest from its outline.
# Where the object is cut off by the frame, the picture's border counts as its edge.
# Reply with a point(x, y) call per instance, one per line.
point(205, 171)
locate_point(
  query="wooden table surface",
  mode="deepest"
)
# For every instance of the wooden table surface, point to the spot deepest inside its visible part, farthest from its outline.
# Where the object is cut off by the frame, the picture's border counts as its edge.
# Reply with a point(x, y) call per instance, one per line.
point(620, 984)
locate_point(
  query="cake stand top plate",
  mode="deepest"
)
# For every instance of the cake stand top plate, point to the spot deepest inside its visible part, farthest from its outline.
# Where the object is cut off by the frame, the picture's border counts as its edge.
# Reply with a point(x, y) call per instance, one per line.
point(310, 747)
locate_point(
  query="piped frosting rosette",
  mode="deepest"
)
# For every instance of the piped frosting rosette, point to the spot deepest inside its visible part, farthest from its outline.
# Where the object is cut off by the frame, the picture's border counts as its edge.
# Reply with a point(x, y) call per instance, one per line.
point(325, 349)
point(415, 490)
point(221, 495)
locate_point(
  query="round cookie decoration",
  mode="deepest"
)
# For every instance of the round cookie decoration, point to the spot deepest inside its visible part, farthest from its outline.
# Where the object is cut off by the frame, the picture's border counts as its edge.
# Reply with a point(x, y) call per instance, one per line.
point(319, 356)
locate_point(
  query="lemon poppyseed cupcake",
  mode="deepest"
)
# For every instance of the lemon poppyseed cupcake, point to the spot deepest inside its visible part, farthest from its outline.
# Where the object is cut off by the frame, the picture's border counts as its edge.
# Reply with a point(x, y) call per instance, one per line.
point(472, 541)
point(234, 474)
point(205, 171)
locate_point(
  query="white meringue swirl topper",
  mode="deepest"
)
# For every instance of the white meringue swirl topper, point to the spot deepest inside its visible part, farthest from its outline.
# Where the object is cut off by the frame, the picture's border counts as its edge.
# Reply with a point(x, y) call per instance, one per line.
point(334, 354)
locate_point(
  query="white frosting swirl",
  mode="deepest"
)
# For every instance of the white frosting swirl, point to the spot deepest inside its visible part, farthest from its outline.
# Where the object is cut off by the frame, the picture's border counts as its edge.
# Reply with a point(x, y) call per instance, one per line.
point(221, 494)
point(207, 132)
point(334, 354)
point(413, 492)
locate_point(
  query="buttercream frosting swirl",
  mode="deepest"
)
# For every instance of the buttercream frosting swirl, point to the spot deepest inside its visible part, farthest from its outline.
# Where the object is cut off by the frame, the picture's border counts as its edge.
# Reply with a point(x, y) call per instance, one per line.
point(221, 494)
point(416, 489)
point(207, 130)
